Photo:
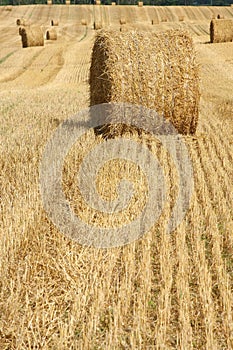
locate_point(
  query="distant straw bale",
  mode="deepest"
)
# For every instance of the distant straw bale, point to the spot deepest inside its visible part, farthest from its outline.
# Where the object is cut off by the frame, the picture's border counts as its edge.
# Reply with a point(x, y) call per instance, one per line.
point(98, 2)
point(67, 2)
point(221, 31)
point(51, 34)
point(157, 71)
point(125, 28)
point(122, 21)
point(49, 2)
point(113, 3)
point(22, 22)
point(54, 22)
point(154, 21)
point(97, 25)
point(32, 36)
point(140, 4)
point(83, 22)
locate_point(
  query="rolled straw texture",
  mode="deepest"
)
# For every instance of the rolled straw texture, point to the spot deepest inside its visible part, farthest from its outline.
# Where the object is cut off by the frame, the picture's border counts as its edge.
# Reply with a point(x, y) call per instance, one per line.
point(157, 71)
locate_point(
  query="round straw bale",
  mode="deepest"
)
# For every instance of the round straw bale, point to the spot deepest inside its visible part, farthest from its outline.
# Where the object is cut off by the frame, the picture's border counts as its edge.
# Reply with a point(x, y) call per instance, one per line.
point(154, 21)
point(97, 25)
point(83, 22)
point(122, 21)
point(54, 22)
point(221, 31)
point(32, 36)
point(157, 71)
point(21, 22)
point(51, 34)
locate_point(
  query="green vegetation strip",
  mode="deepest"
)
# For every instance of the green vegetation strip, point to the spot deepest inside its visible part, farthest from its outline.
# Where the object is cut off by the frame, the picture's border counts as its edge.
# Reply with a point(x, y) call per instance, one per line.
point(85, 34)
point(7, 56)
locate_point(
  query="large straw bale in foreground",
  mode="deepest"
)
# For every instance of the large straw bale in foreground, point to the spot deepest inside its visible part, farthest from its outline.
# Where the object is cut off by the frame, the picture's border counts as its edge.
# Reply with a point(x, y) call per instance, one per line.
point(157, 71)
point(32, 36)
point(221, 31)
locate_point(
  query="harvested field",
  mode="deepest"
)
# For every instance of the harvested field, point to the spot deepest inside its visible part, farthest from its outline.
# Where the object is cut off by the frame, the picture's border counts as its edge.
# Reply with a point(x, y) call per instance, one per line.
point(163, 291)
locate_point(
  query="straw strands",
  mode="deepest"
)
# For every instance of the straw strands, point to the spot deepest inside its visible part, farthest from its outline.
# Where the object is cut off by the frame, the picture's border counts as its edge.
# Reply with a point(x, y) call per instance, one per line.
point(157, 71)
point(51, 34)
point(32, 36)
point(221, 31)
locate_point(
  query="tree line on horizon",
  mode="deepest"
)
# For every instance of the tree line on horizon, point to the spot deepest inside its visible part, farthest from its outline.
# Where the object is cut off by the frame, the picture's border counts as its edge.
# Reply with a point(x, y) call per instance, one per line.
point(125, 2)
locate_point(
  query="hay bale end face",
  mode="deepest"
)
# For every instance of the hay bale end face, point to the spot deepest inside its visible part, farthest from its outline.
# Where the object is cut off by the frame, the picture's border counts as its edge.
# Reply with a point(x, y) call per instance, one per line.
point(221, 31)
point(51, 34)
point(32, 36)
point(54, 22)
point(157, 71)
point(97, 25)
